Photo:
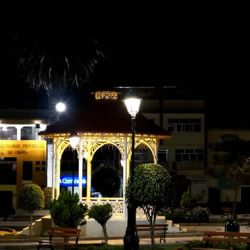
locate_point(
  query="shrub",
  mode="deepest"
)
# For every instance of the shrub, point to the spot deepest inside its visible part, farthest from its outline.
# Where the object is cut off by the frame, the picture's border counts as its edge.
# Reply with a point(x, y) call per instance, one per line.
point(66, 211)
point(31, 198)
point(101, 213)
point(197, 214)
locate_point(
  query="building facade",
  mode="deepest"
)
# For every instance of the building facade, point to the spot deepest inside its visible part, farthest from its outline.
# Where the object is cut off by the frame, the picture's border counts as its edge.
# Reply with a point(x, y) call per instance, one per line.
point(185, 154)
point(22, 154)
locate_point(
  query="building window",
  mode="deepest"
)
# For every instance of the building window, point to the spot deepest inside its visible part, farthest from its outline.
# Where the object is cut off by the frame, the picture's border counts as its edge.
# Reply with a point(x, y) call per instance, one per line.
point(189, 155)
point(27, 170)
point(184, 125)
point(8, 133)
point(162, 155)
point(27, 133)
point(143, 155)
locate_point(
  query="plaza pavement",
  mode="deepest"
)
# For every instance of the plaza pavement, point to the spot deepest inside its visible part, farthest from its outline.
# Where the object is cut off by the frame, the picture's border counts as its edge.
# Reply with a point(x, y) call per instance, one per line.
point(30, 244)
point(194, 232)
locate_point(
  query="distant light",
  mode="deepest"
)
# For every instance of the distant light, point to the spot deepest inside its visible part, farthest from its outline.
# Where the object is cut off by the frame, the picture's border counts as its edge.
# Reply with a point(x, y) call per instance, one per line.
point(60, 107)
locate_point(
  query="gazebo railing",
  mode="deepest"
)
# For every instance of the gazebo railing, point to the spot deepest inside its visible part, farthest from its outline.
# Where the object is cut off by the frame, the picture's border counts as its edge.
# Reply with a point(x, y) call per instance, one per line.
point(117, 203)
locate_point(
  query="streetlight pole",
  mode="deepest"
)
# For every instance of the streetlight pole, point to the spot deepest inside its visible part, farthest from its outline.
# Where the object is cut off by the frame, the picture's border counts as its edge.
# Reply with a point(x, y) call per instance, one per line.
point(131, 240)
point(73, 141)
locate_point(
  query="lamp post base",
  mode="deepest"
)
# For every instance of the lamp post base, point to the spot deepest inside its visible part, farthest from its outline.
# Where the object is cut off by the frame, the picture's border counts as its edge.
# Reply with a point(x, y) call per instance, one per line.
point(131, 239)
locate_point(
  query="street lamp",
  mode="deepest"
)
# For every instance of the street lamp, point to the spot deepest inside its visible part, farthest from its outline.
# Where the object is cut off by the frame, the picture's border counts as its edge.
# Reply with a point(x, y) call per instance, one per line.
point(131, 240)
point(60, 108)
point(73, 141)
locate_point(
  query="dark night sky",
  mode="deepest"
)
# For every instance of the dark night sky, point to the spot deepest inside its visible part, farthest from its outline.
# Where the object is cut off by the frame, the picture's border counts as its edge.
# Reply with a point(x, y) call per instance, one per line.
point(203, 50)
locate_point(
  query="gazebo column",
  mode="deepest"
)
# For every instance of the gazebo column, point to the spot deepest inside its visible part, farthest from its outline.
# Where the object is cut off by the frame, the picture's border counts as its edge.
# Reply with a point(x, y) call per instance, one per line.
point(89, 173)
point(53, 172)
point(80, 166)
point(57, 174)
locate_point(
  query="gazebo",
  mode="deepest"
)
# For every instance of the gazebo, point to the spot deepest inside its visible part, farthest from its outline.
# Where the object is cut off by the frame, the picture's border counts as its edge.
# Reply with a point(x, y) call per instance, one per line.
point(99, 123)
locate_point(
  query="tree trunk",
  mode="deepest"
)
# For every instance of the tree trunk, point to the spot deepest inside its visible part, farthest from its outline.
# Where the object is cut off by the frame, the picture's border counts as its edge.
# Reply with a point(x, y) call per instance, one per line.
point(31, 220)
point(104, 230)
point(235, 202)
point(152, 231)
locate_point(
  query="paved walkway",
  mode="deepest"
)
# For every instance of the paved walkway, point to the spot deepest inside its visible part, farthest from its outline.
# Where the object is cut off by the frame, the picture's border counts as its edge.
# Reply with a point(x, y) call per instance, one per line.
point(147, 241)
point(31, 245)
point(194, 232)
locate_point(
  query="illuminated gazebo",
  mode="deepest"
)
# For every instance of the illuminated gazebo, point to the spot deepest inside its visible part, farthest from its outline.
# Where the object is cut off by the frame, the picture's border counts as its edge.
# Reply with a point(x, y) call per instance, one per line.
point(99, 123)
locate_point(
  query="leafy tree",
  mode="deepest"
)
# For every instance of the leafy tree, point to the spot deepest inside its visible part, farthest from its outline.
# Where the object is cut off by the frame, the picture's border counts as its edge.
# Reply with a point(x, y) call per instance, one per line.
point(233, 156)
point(67, 211)
point(31, 198)
point(106, 181)
point(150, 191)
point(101, 213)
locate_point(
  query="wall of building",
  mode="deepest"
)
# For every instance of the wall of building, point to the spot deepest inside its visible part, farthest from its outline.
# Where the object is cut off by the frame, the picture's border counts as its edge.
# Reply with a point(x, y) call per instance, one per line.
point(185, 152)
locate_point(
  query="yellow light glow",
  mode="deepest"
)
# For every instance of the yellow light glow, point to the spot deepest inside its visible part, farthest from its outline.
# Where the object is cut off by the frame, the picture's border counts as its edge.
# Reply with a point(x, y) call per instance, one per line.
point(106, 95)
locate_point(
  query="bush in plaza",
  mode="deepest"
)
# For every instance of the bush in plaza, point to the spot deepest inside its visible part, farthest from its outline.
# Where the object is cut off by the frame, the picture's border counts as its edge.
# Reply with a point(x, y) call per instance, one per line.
point(101, 213)
point(196, 214)
point(149, 190)
point(31, 198)
point(67, 211)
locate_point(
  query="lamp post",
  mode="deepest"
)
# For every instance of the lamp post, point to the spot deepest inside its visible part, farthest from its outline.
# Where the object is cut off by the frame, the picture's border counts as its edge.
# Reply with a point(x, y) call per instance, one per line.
point(73, 141)
point(131, 240)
